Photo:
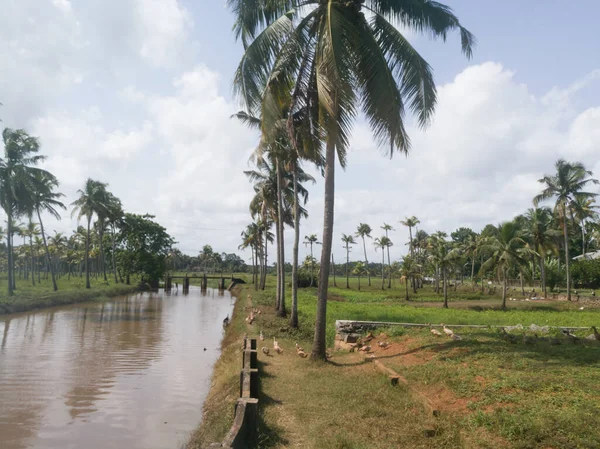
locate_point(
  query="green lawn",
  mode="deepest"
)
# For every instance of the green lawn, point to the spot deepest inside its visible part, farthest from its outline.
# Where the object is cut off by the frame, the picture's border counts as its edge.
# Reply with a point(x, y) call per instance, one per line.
point(70, 291)
point(491, 392)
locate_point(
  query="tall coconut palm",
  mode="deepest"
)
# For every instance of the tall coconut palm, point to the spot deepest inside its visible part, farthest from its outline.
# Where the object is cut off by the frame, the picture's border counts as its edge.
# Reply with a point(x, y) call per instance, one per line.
point(410, 223)
point(310, 240)
point(348, 240)
point(17, 172)
point(336, 60)
point(114, 216)
point(364, 230)
point(92, 199)
point(566, 186)
point(359, 270)
point(383, 243)
point(508, 250)
point(444, 257)
point(386, 227)
point(31, 231)
point(542, 236)
point(44, 198)
point(581, 210)
point(408, 269)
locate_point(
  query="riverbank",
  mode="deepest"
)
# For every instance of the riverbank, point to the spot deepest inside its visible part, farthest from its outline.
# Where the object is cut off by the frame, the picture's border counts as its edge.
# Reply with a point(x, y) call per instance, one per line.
point(70, 291)
point(487, 390)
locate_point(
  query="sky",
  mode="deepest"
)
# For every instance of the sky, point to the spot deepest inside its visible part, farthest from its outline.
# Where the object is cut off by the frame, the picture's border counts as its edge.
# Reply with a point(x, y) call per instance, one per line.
point(137, 93)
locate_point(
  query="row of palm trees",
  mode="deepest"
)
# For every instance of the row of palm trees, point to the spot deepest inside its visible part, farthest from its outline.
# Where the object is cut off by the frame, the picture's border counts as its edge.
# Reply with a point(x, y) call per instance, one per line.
point(307, 70)
point(27, 191)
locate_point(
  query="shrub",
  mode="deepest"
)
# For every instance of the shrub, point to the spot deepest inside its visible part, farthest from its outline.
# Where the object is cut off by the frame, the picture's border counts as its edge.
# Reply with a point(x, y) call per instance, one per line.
point(586, 273)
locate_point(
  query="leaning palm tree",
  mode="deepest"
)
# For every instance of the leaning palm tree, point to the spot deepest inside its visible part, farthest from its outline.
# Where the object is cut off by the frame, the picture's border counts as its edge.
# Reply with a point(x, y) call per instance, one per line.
point(348, 240)
point(92, 199)
point(364, 230)
point(508, 250)
point(386, 227)
point(566, 186)
point(45, 199)
point(336, 60)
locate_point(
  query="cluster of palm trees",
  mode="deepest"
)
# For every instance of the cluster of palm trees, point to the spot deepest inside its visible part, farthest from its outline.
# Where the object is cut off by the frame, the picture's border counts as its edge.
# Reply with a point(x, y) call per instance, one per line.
point(514, 249)
point(307, 70)
point(27, 191)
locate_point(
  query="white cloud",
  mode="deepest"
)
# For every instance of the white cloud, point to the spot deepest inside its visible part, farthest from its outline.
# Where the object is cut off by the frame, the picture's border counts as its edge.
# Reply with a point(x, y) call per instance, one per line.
point(479, 162)
point(163, 28)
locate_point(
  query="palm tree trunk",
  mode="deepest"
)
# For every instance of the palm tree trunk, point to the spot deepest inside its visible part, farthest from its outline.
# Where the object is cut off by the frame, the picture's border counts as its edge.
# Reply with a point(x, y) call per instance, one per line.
point(319, 344)
point(87, 253)
point(410, 247)
point(281, 250)
point(101, 235)
point(113, 256)
point(382, 269)
point(583, 237)
point(521, 276)
point(445, 286)
point(312, 265)
point(265, 264)
point(366, 260)
point(389, 266)
point(543, 275)
point(473, 272)
point(566, 252)
point(333, 269)
point(347, 263)
point(294, 316)
point(406, 288)
point(32, 258)
point(9, 257)
point(504, 288)
point(277, 238)
point(47, 250)
point(359, 282)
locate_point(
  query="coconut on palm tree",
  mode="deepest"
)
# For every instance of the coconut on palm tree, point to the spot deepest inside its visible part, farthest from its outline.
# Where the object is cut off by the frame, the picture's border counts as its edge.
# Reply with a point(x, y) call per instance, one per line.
point(566, 187)
point(338, 58)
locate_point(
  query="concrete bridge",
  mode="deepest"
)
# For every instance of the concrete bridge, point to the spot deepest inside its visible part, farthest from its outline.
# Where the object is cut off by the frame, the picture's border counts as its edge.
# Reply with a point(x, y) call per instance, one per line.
point(203, 281)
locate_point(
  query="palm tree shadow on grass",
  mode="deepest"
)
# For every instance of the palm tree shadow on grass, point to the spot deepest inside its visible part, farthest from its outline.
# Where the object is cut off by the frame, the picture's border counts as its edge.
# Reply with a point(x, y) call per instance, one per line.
point(266, 436)
point(583, 353)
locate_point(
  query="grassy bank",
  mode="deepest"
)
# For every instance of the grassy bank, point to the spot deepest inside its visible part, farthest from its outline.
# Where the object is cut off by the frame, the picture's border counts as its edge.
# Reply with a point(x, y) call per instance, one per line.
point(70, 291)
point(489, 391)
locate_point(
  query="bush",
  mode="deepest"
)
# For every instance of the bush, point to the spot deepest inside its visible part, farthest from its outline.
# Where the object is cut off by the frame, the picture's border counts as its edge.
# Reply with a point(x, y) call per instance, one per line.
point(554, 277)
point(586, 273)
point(304, 279)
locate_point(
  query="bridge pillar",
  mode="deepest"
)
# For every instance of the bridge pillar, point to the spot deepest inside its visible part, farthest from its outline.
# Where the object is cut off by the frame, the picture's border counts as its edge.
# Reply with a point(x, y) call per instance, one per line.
point(204, 282)
point(168, 283)
point(222, 283)
point(186, 284)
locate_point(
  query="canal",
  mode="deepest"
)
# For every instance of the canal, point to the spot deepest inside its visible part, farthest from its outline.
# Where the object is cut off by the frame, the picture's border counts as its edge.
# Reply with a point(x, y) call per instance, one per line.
point(131, 372)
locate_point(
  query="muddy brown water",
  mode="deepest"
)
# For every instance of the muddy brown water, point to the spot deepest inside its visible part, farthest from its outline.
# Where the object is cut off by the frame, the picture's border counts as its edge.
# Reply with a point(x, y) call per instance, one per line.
point(128, 373)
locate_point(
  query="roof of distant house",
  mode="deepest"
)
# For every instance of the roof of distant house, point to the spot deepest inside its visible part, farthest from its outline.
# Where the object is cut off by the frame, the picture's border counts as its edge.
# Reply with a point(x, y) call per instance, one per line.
point(588, 256)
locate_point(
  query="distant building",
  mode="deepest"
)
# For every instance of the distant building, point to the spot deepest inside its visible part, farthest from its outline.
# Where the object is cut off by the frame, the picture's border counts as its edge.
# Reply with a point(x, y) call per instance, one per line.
point(588, 256)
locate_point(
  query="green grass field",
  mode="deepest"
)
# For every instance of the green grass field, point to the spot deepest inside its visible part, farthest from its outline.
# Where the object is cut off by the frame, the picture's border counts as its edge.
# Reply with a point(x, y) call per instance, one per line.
point(491, 392)
point(28, 297)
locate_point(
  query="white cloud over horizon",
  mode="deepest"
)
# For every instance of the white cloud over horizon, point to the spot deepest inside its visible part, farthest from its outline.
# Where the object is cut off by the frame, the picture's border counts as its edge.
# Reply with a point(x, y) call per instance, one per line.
point(164, 141)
